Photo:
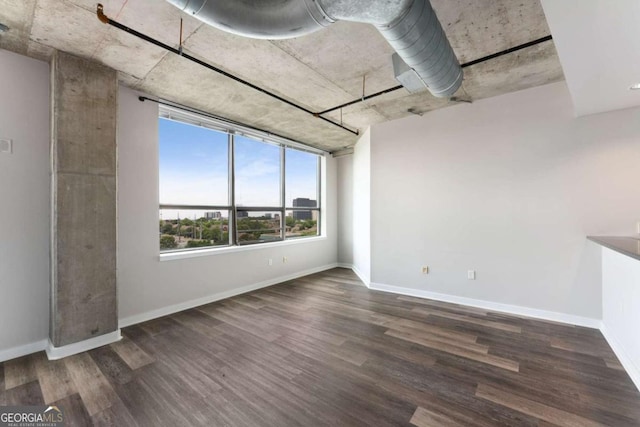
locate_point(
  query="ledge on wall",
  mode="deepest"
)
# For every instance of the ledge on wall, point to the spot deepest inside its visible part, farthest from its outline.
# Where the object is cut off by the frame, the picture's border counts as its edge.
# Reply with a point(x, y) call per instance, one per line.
point(23, 350)
point(627, 362)
point(165, 311)
point(55, 353)
point(516, 310)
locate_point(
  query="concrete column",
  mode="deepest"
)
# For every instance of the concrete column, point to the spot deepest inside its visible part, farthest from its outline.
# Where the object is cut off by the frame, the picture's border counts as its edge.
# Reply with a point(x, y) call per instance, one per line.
point(83, 151)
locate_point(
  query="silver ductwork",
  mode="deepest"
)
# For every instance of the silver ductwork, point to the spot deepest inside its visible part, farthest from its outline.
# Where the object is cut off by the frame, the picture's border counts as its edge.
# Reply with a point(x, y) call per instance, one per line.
point(410, 26)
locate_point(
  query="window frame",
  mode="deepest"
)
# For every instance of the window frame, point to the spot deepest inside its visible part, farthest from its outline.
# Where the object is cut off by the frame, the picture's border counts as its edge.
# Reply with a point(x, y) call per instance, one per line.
point(232, 130)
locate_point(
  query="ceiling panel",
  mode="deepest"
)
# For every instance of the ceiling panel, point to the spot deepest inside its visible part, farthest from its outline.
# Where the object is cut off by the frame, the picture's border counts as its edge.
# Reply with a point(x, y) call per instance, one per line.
point(318, 71)
point(535, 66)
point(477, 28)
point(269, 67)
point(344, 53)
point(203, 89)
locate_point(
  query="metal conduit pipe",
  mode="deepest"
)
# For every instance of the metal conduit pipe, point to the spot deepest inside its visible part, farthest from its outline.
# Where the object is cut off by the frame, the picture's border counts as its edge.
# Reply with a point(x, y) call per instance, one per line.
point(410, 26)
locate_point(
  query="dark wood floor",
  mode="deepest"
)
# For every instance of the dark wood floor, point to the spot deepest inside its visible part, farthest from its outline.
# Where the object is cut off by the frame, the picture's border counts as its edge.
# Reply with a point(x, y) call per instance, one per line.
point(324, 350)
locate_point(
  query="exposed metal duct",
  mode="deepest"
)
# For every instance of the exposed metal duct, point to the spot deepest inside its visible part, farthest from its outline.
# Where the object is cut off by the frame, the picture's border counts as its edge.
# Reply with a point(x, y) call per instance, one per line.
point(410, 26)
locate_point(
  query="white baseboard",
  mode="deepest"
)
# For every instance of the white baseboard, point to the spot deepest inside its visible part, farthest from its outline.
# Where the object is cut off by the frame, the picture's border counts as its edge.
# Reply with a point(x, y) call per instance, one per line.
point(23, 350)
point(365, 279)
point(493, 306)
point(344, 265)
point(55, 353)
point(630, 366)
point(175, 308)
point(633, 370)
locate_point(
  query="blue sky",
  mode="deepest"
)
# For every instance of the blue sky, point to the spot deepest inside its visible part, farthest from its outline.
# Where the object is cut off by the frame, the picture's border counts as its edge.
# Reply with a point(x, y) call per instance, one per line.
point(194, 169)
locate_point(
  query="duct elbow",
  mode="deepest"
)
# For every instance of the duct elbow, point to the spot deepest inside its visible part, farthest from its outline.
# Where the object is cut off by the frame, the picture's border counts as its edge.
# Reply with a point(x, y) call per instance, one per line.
point(420, 41)
point(376, 12)
point(264, 19)
point(410, 26)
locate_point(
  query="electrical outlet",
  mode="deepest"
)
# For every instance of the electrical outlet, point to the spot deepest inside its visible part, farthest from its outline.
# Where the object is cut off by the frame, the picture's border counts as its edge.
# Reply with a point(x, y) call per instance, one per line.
point(471, 275)
point(270, 261)
point(6, 146)
point(425, 270)
point(284, 259)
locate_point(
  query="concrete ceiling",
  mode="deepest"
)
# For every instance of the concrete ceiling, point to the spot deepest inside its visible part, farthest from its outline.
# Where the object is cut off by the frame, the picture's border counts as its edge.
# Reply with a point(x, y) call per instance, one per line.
point(318, 71)
point(598, 42)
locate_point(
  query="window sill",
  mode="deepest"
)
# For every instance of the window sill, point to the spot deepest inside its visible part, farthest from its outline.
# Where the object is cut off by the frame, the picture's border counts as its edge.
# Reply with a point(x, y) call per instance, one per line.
point(196, 253)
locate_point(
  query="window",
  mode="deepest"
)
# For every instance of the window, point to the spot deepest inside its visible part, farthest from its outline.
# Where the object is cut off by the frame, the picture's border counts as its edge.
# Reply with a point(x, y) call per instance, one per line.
point(220, 186)
point(258, 173)
point(302, 193)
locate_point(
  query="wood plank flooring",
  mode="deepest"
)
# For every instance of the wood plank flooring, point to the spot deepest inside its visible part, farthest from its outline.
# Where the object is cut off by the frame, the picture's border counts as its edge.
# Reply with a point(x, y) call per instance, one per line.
point(323, 350)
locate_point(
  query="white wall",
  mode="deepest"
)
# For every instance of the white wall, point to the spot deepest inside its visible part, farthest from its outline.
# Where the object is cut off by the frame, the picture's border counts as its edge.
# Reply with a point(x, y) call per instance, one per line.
point(510, 187)
point(345, 209)
point(590, 41)
point(621, 308)
point(24, 197)
point(361, 214)
point(148, 287)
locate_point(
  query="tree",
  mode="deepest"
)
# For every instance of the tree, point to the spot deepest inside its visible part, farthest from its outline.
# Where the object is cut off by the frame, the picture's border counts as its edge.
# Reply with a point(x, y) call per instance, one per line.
point(167, 242)
point(207, 234)
point(212, 233)
point(167, 228)
point(290, 221)
point(307, 224)
point(198, 243)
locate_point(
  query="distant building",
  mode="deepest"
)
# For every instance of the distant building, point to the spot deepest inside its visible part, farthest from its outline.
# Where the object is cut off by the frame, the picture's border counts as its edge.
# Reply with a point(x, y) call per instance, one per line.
point(242, 214)
point(267, 215)
point(276, 216)
point(213, 215)
point(303, 203)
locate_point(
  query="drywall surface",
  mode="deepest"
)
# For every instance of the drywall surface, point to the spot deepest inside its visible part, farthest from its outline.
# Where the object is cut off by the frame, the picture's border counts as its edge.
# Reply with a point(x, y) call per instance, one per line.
point(345, 209)
point(24, 197)
point(621, 308)
point(509, 187)
point(362, 207)
point(148, 287)
point(590, 41)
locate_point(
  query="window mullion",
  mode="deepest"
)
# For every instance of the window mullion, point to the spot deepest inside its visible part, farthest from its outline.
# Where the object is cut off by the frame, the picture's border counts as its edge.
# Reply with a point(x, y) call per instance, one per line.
point(319, 195)
point(283, 194)
point(233, 238)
